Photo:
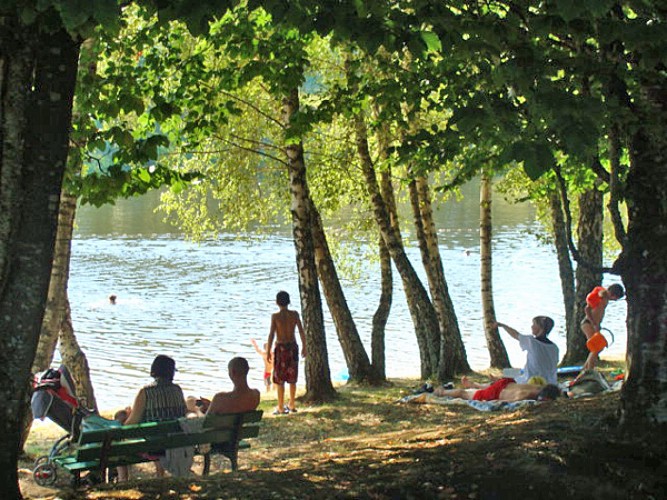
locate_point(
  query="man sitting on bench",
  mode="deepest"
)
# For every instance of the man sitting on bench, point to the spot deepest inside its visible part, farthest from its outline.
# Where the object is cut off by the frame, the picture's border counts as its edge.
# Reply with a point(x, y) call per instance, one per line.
point(239, 400)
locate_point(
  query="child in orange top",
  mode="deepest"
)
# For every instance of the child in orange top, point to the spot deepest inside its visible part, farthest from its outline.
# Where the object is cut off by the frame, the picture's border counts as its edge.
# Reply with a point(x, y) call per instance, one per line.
point(596, 303)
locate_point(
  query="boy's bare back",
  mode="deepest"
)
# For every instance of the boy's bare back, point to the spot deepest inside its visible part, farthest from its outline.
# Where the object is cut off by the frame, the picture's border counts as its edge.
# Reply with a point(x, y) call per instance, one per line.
point(283, 324)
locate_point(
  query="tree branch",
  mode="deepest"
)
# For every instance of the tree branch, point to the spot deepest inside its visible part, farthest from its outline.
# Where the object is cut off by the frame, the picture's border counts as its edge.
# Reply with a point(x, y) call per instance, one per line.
point(615, 185)
point(568, 228)
point(251, 150)
point(253, 107)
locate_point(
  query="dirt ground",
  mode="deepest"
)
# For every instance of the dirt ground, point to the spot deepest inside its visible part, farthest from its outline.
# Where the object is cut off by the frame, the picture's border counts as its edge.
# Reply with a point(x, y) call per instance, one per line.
point(366, 445)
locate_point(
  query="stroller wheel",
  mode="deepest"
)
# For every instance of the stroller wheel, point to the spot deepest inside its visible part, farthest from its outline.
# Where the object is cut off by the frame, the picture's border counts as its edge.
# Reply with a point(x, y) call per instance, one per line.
point(41, 460)
point(45, 474)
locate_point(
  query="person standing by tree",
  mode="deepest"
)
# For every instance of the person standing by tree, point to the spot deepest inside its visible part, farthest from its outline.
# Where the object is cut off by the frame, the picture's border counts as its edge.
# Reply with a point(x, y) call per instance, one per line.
point(596, 303)
point(286, 355)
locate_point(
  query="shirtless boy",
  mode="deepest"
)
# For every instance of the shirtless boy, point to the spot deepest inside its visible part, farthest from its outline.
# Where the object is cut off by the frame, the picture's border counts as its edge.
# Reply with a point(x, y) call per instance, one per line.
point(596, 303)
point(505, 389)
point(286, 355)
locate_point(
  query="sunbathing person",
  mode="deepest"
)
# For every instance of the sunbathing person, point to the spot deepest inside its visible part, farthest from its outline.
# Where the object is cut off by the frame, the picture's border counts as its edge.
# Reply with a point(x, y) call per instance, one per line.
point(504, 389)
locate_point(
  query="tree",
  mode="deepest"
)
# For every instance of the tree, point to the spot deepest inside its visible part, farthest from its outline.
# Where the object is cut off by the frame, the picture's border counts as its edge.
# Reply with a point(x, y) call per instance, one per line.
point(588, 273)
point(57, 322)
point(497, 351)
point(451, 351)
point(372, 83)
point(382, 312)
point(565, 270)
point(575, 73)
point(421, 310)
point(38, 73)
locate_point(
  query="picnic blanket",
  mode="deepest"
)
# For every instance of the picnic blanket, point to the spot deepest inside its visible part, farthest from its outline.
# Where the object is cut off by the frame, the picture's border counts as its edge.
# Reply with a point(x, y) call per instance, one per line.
point(429, 398)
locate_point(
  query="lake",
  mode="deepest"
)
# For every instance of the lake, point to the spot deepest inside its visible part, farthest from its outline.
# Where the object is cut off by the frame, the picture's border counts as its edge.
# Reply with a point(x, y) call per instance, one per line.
point(202, 302)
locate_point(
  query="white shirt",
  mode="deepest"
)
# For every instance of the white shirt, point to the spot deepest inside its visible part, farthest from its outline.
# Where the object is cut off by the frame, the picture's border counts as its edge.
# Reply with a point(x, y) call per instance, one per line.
point(541, 359)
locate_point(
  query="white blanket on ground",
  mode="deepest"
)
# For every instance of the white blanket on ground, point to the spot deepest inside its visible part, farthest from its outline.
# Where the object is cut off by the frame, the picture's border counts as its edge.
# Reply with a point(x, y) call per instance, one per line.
point(495, 405)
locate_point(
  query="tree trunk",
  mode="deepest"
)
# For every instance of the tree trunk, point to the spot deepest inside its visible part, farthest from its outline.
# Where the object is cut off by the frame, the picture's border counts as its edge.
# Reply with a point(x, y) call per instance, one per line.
point(644, 266)
point(75, 360)
point(421, 310)
point(37, 80)
point(72, 355)
point(382, 312)
point(565, 272)
point(57, 308)
point(588, 275)
point(453, 358)
point(318, 375)
point(497, 352)
point(356, 358)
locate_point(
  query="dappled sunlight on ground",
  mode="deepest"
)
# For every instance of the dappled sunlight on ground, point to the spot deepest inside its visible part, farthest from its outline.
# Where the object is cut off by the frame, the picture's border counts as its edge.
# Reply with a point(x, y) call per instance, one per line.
point(359, 447)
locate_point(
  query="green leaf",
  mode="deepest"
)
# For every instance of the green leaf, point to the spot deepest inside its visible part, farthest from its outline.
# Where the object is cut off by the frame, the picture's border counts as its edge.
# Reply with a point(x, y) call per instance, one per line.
point(432, 41)
point(541, 161)
point(360, 6)
point(144, 175)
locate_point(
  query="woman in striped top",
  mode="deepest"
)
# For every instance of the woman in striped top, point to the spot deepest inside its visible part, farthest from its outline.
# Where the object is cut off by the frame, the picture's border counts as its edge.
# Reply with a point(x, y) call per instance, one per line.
point(160, 400)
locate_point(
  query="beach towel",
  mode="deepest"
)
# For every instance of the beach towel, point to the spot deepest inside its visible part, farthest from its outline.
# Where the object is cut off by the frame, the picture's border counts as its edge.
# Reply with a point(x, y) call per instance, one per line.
point(429, 398)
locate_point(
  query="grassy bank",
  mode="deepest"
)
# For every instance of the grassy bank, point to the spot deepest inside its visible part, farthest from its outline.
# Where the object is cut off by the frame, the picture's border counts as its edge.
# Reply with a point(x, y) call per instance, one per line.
point(365, 445)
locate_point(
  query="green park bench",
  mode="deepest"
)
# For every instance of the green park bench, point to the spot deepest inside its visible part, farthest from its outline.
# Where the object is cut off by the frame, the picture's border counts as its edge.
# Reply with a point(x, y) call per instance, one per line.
point(99, 450)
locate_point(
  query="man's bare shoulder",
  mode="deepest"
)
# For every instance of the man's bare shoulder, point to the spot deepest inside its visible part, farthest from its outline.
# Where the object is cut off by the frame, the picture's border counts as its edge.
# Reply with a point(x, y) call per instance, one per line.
point(220, 396)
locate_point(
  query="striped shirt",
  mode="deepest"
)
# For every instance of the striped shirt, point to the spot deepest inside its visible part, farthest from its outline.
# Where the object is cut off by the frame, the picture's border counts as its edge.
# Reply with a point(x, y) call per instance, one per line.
point(164, 401)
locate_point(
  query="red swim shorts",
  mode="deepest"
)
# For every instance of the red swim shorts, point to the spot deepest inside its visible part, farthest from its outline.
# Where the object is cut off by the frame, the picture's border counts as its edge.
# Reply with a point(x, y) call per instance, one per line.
point(493, 391)
point(286, 363)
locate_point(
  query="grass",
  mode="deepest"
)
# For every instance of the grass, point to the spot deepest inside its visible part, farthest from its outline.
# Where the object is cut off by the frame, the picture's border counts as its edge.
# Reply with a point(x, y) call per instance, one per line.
point(365, 445)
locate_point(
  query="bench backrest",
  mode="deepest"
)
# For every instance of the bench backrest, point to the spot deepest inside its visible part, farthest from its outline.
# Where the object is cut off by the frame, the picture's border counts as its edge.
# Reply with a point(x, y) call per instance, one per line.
point(154, 436)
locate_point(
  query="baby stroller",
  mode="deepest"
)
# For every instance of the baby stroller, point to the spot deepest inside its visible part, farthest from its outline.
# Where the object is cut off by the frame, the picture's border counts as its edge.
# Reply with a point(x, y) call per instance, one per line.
point(54, 397)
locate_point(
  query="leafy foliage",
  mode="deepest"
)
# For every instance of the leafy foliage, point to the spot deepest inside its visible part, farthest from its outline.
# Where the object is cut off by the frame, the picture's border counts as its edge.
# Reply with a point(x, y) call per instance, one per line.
point(78, 17)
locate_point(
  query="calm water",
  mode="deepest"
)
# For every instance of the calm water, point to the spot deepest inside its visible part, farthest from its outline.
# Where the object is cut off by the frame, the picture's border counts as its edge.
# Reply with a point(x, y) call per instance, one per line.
point(202, 303)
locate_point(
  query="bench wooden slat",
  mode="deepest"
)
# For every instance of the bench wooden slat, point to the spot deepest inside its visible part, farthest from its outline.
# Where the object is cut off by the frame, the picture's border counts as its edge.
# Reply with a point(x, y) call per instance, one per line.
point(156, 443)
point(129, 431)
point(225, 420)
point(73, 465)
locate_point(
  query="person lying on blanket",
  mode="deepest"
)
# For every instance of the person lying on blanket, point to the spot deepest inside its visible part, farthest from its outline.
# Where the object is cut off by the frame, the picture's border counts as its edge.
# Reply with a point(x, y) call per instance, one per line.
point(504, 389)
